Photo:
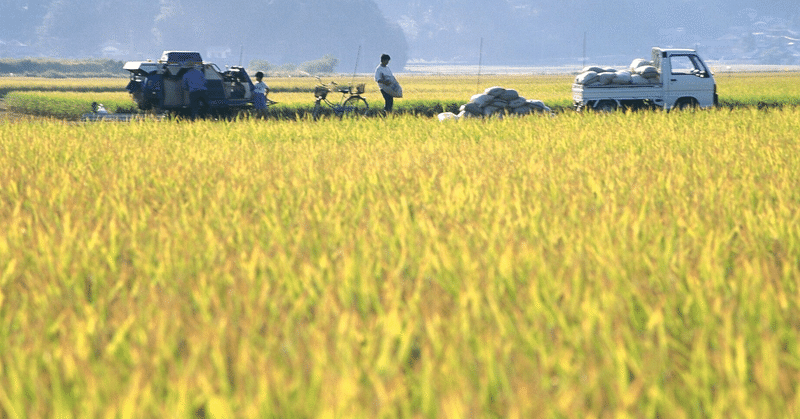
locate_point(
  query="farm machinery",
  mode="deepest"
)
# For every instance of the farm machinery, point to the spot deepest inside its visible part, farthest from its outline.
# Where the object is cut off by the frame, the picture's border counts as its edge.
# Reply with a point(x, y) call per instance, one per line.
point(157, 85)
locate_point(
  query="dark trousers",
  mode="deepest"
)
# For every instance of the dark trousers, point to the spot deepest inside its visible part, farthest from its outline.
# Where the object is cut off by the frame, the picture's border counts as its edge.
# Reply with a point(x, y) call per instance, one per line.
point(389, 101)
point(195, 99)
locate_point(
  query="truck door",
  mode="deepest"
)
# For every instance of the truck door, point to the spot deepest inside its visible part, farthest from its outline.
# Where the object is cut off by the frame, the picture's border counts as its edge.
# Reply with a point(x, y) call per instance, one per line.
point(688, 79)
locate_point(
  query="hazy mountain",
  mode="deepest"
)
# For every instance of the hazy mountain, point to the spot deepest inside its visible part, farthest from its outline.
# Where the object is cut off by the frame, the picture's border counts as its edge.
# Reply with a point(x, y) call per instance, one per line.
point(545, 32)
point(278, 31)
point(499, 32)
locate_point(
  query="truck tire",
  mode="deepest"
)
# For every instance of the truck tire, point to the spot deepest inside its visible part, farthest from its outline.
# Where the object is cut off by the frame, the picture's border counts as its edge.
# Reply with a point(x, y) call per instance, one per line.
point(686, 104)
point(606, 106)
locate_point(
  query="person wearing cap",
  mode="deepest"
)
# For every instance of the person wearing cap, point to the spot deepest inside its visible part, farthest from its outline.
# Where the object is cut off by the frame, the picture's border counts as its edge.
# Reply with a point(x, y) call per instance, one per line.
point(194, 82)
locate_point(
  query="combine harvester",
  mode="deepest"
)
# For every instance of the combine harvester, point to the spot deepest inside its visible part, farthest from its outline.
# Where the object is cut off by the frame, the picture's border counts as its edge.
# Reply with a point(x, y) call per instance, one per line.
point(157, 87)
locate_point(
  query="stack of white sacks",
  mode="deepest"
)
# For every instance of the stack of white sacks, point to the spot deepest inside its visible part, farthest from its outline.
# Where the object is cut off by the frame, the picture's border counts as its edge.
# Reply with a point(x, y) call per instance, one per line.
point(497, 100)
point(640, 72)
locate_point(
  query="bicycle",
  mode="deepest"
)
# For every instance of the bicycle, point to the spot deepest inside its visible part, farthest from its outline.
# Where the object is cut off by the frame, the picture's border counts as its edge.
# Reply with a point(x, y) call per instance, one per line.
point(350, 104)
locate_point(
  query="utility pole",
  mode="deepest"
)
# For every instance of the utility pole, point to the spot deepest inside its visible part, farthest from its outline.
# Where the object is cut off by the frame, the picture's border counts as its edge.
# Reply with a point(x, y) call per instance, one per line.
point(584, 49)
point(480, 60)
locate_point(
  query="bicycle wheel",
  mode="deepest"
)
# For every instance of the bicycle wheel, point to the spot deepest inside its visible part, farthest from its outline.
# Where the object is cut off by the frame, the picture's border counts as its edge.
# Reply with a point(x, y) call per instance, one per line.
point(355, 106)
point(317, 110)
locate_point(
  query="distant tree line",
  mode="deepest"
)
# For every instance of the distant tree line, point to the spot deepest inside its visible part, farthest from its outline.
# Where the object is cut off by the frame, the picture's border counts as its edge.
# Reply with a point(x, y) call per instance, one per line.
point(52, 68)
point(324, 65)
point(55, 68)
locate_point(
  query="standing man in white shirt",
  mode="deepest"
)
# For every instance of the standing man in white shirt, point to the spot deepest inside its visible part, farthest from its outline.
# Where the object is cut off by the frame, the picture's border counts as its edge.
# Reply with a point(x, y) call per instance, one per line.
point(385, 78)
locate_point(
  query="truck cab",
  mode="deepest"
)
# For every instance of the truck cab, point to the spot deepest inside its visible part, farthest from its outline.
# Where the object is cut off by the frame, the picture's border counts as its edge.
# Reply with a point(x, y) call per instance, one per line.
point(685, 79)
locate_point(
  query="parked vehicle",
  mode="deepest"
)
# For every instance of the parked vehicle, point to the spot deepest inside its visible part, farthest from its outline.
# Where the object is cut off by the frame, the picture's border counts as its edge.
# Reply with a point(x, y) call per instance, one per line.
point(683, 81)
point(157, 85)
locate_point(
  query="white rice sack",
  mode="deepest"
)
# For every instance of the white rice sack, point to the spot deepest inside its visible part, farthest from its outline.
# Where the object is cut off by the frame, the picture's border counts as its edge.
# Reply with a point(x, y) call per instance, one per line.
point(586, 77)
point(606, 78)
point(509, 95)
point(609, 70)
point(494, 91)
point(646, 70)
point(398, 90)
point(536, 104)
point(491, 110)
point(500, 103)
point(638, 79)
point(482, 99)
point(444, 116)
point(523, 110)
point(472, 108)
point(639, 62)
point(393, 88)
point(622, 77)
point(592, 68)
point(471, 115)
point(652, 78)
point(516, 103)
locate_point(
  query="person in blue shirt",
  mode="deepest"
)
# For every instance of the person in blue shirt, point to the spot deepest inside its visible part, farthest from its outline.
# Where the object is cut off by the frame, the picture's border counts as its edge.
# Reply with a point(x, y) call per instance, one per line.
point(194, 82)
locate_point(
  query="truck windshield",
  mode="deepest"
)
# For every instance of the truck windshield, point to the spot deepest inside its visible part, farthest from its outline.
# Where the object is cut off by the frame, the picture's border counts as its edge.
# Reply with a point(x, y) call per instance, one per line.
point(686, 64)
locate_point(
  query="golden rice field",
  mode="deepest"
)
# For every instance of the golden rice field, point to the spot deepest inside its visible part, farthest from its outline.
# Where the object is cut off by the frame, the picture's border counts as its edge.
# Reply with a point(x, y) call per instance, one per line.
point(635, 265)
point(71, 98)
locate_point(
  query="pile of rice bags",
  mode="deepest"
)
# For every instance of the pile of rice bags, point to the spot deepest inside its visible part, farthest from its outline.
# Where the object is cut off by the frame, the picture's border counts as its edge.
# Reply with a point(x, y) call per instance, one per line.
point(640, 72)
point(497, 100)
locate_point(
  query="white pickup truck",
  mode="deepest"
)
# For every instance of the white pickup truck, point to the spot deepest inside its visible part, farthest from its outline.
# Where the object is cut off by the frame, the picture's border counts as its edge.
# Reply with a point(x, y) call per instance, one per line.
point(683, 81)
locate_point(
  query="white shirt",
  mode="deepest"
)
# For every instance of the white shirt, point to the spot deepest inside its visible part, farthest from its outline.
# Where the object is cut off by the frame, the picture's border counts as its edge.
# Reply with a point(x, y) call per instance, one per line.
point(260, 88)
point(383, 73)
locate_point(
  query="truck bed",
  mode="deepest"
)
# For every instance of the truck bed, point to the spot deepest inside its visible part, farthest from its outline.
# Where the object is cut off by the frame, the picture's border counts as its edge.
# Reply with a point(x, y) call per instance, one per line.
point(582, 93)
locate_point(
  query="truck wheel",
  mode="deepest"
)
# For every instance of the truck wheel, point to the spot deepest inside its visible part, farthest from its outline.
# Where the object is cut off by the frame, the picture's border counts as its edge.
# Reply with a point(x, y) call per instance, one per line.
point(606, 106)
point(688, 104)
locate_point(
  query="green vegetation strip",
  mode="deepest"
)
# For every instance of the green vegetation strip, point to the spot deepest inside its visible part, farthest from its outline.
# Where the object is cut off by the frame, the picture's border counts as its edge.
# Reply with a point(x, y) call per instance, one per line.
point(424, 95)
point(49, 68)
point(68, 106)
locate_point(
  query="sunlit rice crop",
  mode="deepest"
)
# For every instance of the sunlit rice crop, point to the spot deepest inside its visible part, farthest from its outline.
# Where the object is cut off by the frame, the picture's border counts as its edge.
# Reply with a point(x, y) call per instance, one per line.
point(639, 265)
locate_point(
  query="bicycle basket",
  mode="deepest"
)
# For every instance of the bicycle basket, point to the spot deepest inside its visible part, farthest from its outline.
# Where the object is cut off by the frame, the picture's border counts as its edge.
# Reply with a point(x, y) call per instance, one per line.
point(360, 88)
point(321, 91)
